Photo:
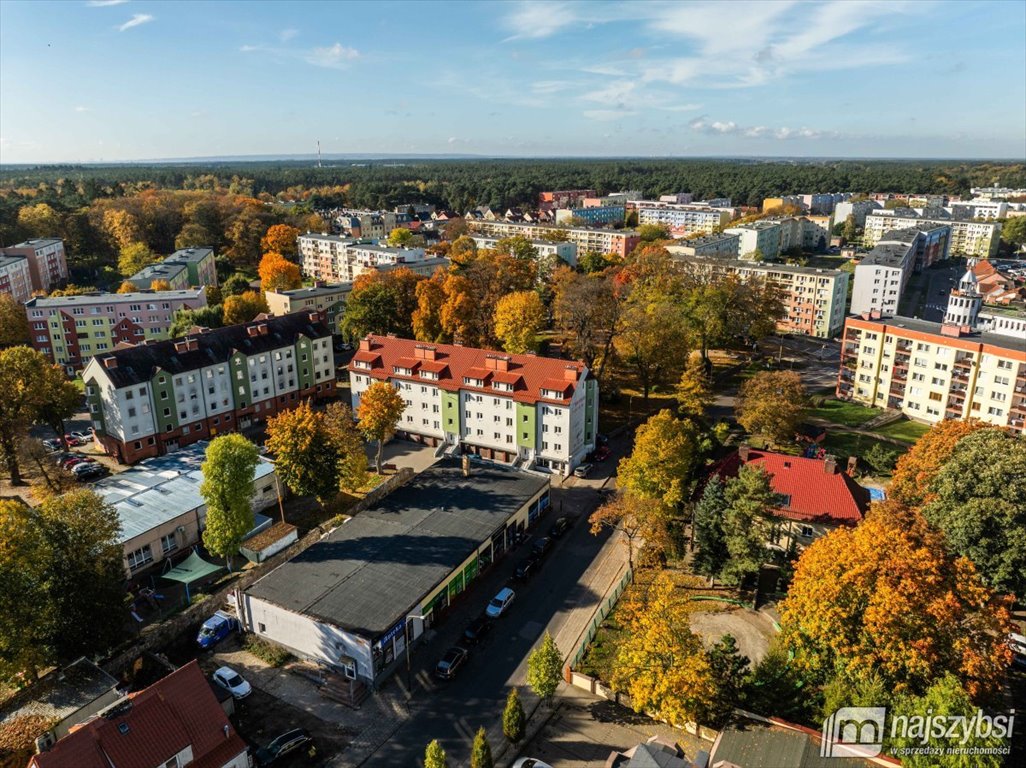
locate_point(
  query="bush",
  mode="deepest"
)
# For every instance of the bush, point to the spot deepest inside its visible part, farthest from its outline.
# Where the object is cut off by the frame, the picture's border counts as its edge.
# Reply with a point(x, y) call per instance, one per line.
point(274, 655)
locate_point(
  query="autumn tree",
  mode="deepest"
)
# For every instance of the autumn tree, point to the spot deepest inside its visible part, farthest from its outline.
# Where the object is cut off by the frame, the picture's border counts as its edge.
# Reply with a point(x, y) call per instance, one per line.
point(210, 316)
point(750, 499)
point(850, 230)
point(245, 232)
point(887, 596)
point(481, 751)
point(280, 239)
point(133, 257)
point(660, 662)
point(127, 286)
point(243, 307)
point(317, 452)
point(660, 466)
point(519, 316)
point(978, 500)
point(381, 407)
point(917, 467)
point(400, 237)
point(545, 668)
point(59, 398)
point(517, 246)
point(708, 522)
point(694, 390)
point(14, 327)
point(434, 756)
point(227, 489)
point(652, 340)
point(462, 251)
point(160, 285)
point(630, 515)
point(772, 404)
point(587, 313)
point(235, 285)
point(72, 290)
point(514, 722)
point(382, 302)
point(39, 220)
point(26, 616)
point(427, 322)
point(474, 288)
point(278, 273)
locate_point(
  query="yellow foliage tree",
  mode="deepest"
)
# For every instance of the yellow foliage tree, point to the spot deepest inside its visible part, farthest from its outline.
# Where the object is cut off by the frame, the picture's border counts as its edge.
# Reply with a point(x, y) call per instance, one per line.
point(660, 466)
point(381, 407)
point(243, 308)
point(885, 597)
point(122, 227)
point(694, 390)
point(427, 323)
point(41, 220)
point(661, 663)
point(133, 257)
point(160, 285)
point(772, 404)
point(519, 316)
point(280, 238)
point(278, 273)
point(127, 287)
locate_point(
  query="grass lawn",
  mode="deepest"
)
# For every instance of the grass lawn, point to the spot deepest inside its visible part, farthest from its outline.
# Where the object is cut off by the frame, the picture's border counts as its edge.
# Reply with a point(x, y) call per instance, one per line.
point(844, 413)
point(905, 430)
point(845, 444)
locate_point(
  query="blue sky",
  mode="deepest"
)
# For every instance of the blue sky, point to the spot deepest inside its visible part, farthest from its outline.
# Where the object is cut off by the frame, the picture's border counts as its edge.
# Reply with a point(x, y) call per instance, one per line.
point(113, 80)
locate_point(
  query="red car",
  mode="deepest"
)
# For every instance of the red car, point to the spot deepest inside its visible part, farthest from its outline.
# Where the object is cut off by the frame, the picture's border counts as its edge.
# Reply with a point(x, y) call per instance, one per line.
point(602, 453)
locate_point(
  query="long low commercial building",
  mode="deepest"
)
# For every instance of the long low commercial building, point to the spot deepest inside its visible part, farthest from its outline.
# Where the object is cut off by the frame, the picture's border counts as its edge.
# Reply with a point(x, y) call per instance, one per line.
point(355, 598)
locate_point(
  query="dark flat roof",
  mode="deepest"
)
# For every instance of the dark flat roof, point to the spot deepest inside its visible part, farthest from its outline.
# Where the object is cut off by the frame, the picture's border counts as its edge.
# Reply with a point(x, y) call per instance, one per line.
point(370, 571)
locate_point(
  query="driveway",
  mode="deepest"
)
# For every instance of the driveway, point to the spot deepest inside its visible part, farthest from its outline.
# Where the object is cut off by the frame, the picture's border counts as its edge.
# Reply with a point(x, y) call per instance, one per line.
point(403, 453)
point(752, 630)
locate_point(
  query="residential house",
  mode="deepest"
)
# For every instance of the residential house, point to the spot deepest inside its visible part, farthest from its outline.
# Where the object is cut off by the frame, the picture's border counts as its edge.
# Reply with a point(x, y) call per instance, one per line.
point(707, 246)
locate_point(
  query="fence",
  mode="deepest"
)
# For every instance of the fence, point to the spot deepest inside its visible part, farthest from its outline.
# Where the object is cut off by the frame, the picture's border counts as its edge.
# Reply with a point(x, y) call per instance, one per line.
point(603, 609)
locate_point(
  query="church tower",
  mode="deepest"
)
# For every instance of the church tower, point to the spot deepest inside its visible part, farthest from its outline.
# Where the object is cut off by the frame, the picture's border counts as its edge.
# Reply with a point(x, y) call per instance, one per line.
point(965, 301)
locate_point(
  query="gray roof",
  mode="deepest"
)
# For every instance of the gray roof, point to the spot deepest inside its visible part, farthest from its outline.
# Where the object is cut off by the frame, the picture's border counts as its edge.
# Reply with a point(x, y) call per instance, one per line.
point(38, 242)
point(315, 290)
point(189, 254)
point(925, 326)
point(158, 490)
point(768, 266)
point(58, 694)
point(138, 363)
point(887, 254)
point(329, 238)
point(115, 298)
point(162, 271)
point(758, 745)
point(372, 570)
point(5, 260)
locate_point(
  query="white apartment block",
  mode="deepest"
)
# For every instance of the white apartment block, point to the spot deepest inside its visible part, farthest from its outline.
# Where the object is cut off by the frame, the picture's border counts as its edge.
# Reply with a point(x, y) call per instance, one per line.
point(15, 277)
point(616, 241)
point(705, 247)
point(968, 238)
point(859, 209)
point(979, 209)
point(881, 277)
point(759, 236)
point(545, 249)
point(814, 299)
point(321, 255)
point(520, 409)
point(683, 218)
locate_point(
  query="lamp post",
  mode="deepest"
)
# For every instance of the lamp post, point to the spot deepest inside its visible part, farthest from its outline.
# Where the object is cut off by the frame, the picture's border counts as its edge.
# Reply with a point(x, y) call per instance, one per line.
point(409, 657)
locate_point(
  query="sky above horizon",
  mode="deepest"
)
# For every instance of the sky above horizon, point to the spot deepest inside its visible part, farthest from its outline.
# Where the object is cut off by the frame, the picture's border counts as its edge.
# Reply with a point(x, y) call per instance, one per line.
point(110, 80)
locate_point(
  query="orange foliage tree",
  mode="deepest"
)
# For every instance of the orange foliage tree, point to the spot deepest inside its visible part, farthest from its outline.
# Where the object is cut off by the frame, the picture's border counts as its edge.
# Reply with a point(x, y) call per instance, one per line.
point(160, 285)
point(278, 273)
point(917, 468)
point(885, 597)
point(243, 308)
point(280, 238)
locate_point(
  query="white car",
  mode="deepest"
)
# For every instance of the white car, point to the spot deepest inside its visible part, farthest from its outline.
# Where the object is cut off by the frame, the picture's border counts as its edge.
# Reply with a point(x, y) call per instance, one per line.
point(232, 681)
point(85, 437)
point(499, 603)
point(530, 762)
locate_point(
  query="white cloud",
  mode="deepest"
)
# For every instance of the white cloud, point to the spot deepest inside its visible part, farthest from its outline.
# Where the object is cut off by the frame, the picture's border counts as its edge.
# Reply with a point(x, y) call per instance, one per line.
point(607, 115)
point(104, 3)
point(534, 20)
point(83, 109)
point(287, 34)
point(681, 107)
point(729, 128)
point(136, 20)
point(336, 56)
point(552, 86)
point(617, 92)
point(250, 48)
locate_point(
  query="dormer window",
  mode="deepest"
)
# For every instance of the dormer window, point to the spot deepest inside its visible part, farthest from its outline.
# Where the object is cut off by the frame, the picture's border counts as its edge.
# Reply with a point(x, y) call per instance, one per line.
point(502, 386)
point(429, 375)
point(362, 364)
point(402, 371)
point(473, 382)
point(552, 394)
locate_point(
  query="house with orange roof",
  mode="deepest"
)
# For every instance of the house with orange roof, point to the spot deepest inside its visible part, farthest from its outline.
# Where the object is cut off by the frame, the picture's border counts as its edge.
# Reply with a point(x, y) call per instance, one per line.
point(525, 410)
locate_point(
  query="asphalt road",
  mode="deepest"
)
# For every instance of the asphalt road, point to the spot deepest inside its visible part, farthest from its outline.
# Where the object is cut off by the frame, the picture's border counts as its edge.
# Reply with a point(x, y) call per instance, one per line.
point(452, 712)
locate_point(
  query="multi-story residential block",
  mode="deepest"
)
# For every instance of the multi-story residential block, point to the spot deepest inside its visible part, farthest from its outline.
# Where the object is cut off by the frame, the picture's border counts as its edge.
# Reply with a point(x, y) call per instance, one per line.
point(679, 197)
point(824, 202)
point(598, 215)
point(47, 261)
point(71, 329)
point(16, 277)
point(321, 256)
point(935, 371)
point(775, 203)
point(563, 198)
point(997, 193)
point(175, 275)
point(814, 299)
point(566, 251)
point(709, 246)
point(520, 409)
point(882, 275)
point(806, 233)
point(859, 209)
point(329, 299)
point(373, 225)
point(761, 237)
point(616, 241)
point(968, 238)
point(683, 218)
point(979, 209)
point(613, 198)
point(186, 267)
point(152, 398)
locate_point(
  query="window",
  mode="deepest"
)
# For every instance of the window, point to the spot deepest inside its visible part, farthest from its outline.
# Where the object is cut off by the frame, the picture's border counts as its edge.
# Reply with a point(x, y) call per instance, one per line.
point(805, 531)
point(168, 543)
point(131, 413)
point(140, 557)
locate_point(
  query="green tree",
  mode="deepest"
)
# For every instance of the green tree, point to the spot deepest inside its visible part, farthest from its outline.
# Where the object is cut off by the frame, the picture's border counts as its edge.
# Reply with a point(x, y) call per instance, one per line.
point(382, 302)
point(587, 313)
point(517, 246)
point(694, 391)
point(851, 229)
point(227, 488)
point(481, 752)
point(14, 327)
point(22, 371)
point(545, 668)
point(880, 457)
point(710, 540)
point(134, 257)
point(59, 398)
point(979, 502)
point(514, 721)
point(860, 690)
point(660, 466)
point(434, 756)
point(730, 670)
point(26, 614)
point(243, 307)
point(772, 404)
point(652, 340)
point(210, 316)
point(1013, 232)
point(381, 407)
point(750, 498)
point(400, 237)
point(235, 285)
point(652, 232)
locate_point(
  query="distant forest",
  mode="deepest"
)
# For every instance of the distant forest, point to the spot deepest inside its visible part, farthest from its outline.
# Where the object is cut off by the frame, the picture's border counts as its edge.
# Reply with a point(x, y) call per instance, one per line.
point(500, 184)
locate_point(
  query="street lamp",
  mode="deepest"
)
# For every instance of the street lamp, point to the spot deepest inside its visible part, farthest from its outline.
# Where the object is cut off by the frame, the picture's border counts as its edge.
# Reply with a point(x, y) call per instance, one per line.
point(409, 657)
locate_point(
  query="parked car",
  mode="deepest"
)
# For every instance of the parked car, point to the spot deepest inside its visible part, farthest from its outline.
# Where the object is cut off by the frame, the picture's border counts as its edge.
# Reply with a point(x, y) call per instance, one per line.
point(451, 662)
point(530, 762)
point(541, 546)
point(526, 568)
point(72, 441)
point(86, 466)
point(53, 445)
point(84, 437)
point(602, 453)
point(601, 439)
point(89, 471)
point(476, 630)
point(561, 526)
point(232, 681)
point(582, 470)
point(73, 461)
point(215, 629)
point(289, 743)
point(502, 601)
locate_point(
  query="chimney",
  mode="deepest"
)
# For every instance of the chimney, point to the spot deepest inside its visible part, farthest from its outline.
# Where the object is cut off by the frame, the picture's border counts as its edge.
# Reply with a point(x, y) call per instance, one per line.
point(466, 465)
point(742, 453)
point(570, 373)
point(830, 465)
point(853, 464)
point(365, 344)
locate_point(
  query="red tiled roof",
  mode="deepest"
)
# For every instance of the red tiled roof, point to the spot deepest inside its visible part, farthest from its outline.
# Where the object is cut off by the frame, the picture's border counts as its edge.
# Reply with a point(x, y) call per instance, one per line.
point(816, 496)
point(162, 720)
point(528, 374)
